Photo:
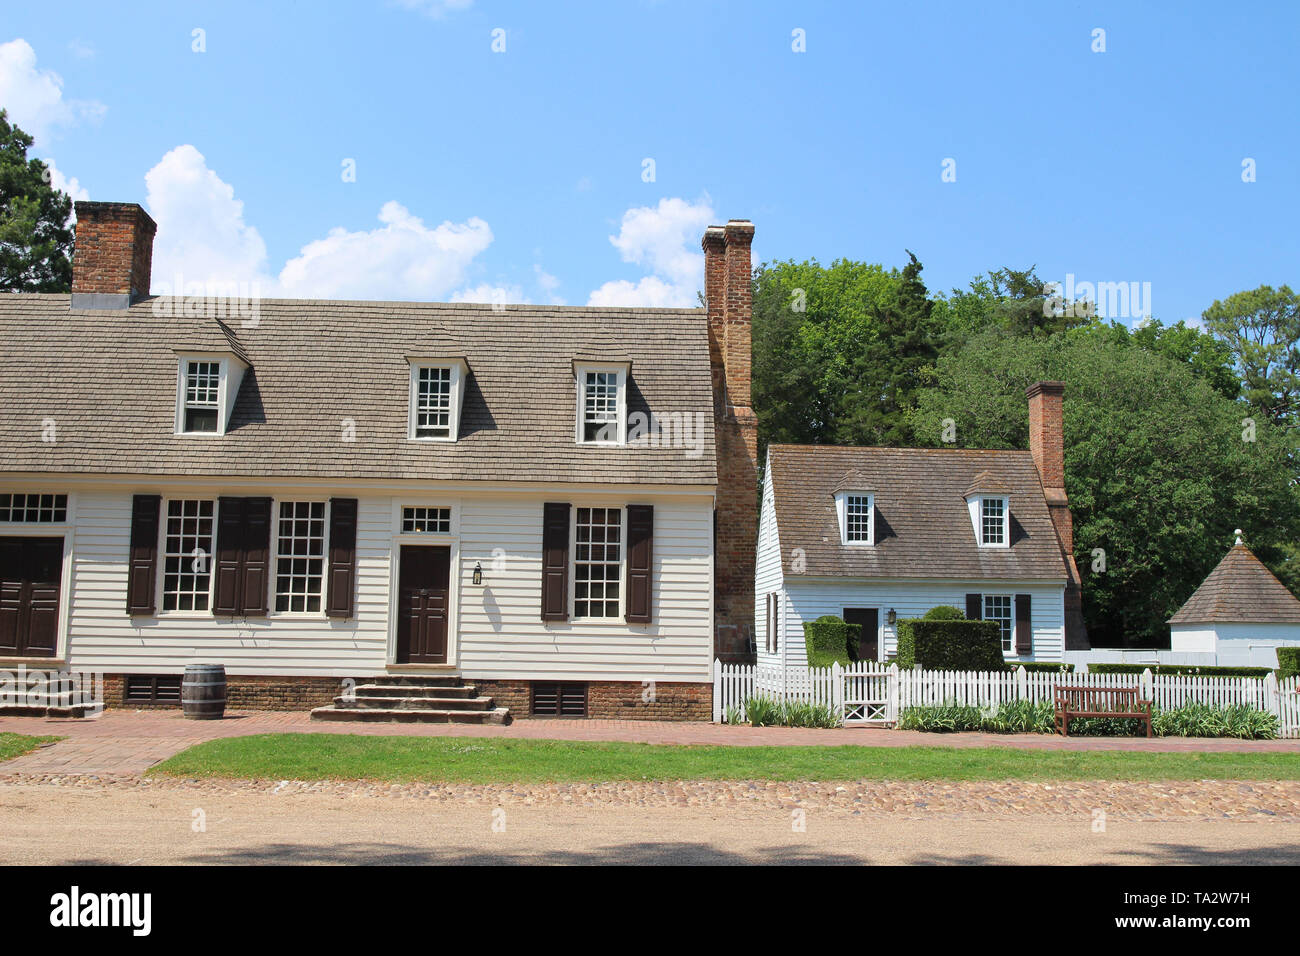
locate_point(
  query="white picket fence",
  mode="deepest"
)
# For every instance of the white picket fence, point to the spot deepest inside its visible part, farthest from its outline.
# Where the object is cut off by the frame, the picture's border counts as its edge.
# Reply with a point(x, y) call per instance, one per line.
point(871, 693)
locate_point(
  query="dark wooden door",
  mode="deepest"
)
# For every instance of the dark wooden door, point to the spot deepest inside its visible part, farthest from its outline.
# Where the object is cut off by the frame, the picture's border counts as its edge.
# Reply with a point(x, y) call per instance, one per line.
point(30, 572)
point(423, 579)
point(869, 642)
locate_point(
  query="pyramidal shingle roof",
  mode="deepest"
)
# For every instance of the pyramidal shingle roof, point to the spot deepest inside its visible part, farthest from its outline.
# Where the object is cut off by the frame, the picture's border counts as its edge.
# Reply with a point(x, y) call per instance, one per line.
point(1240, 590)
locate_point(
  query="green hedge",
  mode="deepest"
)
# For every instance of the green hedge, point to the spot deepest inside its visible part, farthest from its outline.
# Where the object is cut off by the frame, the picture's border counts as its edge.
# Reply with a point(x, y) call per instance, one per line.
point(831, 639)
point(1174, 669)
point(944, 612)
point(1288, 661)
point(1042, 667)
point(950, 645)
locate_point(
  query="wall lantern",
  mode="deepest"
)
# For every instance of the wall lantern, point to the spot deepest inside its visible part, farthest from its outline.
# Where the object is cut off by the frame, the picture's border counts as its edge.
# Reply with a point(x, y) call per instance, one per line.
point(478, 573)
point(891, 617)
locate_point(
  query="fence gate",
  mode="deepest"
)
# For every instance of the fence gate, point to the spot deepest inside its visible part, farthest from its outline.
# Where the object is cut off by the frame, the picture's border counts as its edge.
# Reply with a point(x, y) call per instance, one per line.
point(867, 694)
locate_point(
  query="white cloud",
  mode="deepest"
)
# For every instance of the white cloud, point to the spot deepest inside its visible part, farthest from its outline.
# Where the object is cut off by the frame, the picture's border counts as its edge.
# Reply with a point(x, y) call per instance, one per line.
point(665, 240)
point(489, 294)
point(66, 184)
point(403, 259)
point(202, 236)
point(81, 49)
point(34, 97)
point(548, 284)
point(435, 8)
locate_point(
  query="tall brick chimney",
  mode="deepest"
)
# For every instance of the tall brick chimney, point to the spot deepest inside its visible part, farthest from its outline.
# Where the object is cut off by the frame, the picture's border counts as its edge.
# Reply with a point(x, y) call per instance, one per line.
point(1047, 446)
point(729, 300)
point(112, 256)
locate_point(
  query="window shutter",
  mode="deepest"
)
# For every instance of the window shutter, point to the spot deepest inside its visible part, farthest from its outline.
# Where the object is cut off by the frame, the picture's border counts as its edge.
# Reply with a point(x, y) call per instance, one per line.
point(1024, 625)
point(640, 553)
point(975, 607)
point(256, 557)
point(343, 558)
point(143, 560)
point(555, 561)
point(227, 590)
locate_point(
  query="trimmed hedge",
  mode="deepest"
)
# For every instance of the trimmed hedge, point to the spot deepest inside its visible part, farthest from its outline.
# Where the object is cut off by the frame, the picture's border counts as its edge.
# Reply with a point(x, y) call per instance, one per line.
point(1288, 661)
point(1175, 669)
point(944, 612)
point(831, 639)
point(950, 645)
point(1042, 667)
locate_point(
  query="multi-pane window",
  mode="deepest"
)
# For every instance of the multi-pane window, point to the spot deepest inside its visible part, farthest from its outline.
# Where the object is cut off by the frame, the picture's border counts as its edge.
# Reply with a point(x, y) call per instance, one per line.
point(600, 407)
point(202, 390)
point(300, 556)
point(993, 513)
point(433, 402)
point(187, 555)
point(997, 607)
point(857, 518)
point(597, 562)
point(417, 520)
point(37, 509)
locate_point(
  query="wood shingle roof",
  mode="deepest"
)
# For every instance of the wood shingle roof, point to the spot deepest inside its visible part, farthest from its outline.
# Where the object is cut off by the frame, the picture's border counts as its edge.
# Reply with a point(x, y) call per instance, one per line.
point(1240, 590)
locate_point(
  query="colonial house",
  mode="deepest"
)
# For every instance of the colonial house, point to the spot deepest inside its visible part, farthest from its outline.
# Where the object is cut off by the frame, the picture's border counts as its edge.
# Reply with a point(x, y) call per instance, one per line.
point(873, 535)
point(441, 511)
point(1241, 613)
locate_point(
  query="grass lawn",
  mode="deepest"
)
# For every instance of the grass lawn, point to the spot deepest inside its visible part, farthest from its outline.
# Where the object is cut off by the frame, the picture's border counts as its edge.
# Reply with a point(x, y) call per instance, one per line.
point(493, 760)
point(15, 745)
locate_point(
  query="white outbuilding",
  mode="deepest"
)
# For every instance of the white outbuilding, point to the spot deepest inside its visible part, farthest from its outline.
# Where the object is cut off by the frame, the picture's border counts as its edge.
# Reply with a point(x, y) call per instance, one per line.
point(1241, 613)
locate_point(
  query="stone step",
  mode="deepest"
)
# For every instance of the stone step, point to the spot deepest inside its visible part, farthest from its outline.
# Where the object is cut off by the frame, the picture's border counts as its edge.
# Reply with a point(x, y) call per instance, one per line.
point(371, 702)
point(75, 711)
point(415, 680)
point(414, 690)
point(498, 715)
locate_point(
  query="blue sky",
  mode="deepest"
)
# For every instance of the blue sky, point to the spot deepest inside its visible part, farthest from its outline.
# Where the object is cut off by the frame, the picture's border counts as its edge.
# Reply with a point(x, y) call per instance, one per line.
point(1123, 165)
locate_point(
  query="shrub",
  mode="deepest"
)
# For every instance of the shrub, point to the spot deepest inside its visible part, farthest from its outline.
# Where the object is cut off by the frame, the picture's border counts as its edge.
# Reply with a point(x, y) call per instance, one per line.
point(1022, 717)
point(761, 711)
point(1202, 720)
point(1043, 667)
point(950, 645)
point(831, 639)
point(1205, 670)
point(942, 718)
point(801, 713)
point(1288, 661)
point(944, 612)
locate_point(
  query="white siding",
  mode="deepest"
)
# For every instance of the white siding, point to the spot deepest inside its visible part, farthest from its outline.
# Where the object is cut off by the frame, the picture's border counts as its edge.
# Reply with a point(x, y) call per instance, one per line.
point(768, 572)
point(1234, 642)
point(809, 599)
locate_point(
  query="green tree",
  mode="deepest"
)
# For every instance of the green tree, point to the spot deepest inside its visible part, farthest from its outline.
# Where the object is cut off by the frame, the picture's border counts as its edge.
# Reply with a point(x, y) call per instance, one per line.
point(1261, 328)
point(35, 239)
point(1156, 467)
point(1015, 301)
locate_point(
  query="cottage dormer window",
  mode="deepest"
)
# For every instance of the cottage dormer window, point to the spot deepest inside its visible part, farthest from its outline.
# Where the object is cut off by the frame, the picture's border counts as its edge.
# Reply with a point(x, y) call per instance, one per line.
point(436, 392)
point(206, 387)
point(856, 513)
point(993, 522)
point(602, 404)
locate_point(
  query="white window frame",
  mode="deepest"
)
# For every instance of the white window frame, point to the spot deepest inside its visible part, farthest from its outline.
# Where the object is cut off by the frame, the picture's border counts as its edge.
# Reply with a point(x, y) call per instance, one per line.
point(230, 375)
point(977, 520)
point(21, 526)
point(401, 520)
point(160, 586)
point(274, 572)
point(581, 371)
point(842, 515)
point(456, 397)
point(1008, 643)
point(617, 617)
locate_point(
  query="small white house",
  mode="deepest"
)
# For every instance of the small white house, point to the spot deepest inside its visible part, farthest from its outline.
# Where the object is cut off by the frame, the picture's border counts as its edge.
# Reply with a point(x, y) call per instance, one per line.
point(1239, 611)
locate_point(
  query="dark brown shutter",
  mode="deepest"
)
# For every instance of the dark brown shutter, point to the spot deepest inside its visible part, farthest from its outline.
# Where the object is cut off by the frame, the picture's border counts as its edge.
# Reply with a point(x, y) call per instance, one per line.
point(975, 607)
point(640, 555)
point(555, 561)
point(343, 557)
point(256, 558)
point(143, 561)
point(227, 594)
point(1024, 626)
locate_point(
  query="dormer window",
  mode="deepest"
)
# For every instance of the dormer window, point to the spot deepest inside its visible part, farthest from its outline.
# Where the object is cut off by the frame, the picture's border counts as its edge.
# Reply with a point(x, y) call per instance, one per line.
point(994, 518)
point(602, 404)
point(856, 513)
point(436, 392)
point(206, 387)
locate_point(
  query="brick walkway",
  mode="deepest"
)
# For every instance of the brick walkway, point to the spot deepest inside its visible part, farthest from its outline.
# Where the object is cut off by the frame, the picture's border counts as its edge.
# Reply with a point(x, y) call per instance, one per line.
point(129, 742)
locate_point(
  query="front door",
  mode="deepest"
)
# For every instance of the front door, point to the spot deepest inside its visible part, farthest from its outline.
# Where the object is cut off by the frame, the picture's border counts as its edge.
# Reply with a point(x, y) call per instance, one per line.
point(423, 576)
point(30, 572)
point(869, 641)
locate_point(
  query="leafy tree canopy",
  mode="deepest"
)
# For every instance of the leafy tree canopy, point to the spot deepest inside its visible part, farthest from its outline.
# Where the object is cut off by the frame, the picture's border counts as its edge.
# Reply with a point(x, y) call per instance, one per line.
point(35, 237)
point(1261, 329)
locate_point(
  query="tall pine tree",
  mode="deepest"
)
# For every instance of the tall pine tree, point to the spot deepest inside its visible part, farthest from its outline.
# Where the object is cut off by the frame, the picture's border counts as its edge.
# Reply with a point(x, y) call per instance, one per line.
point(35, 236)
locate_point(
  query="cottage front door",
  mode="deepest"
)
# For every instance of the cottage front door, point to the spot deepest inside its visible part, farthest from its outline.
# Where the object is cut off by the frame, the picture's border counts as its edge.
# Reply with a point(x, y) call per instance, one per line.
point(424, 577)
point(869, 641)
point(30, 573)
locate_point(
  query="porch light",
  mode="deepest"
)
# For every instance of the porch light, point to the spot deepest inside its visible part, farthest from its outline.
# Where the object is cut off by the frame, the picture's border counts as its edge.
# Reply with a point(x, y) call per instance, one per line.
point(891, 616)
point(478, 573)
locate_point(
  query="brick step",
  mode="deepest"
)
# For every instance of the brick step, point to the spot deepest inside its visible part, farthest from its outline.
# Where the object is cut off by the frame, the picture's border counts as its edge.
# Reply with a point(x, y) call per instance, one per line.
point(368, 702)
point(415, 680)
point(29, 710)
point(415, 690)
point(498, 715)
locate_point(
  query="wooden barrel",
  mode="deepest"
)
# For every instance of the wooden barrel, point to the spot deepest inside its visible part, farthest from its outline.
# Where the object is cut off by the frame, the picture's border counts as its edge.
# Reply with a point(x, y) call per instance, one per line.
point(203, 692)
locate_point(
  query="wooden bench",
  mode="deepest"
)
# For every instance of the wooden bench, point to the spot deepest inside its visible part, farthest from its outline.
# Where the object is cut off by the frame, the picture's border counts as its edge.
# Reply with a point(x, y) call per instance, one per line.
point(1071, 701)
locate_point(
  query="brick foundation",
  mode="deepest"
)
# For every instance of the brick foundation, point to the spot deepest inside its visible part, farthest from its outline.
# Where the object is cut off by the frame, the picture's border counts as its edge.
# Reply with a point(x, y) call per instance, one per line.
point(613, 700)
point(246, 693)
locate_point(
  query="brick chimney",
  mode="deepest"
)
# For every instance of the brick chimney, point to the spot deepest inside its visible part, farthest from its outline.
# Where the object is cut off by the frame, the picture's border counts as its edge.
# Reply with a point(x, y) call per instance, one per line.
point(729, 300)
point(112, 256)
point(1047, 446)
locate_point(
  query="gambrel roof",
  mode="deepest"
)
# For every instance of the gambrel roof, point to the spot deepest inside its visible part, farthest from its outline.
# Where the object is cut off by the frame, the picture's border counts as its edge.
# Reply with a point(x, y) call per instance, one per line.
point(922, 521)
point(1240, 590)
point(108, 379)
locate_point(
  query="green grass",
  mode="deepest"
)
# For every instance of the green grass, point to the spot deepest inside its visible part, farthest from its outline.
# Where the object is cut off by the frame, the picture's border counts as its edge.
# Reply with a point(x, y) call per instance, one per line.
point(15, 745)
point(493, 760)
